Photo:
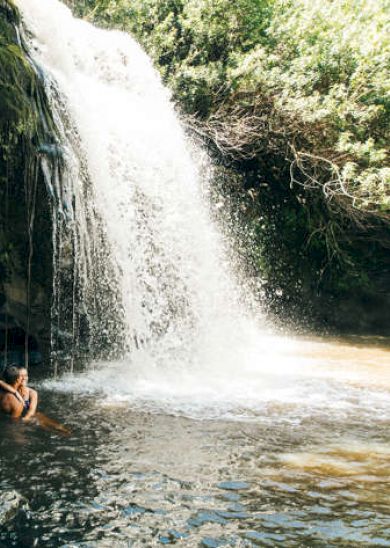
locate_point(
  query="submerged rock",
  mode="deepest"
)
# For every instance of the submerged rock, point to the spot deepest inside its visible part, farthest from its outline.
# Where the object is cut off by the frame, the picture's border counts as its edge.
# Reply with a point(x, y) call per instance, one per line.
point(10, 503)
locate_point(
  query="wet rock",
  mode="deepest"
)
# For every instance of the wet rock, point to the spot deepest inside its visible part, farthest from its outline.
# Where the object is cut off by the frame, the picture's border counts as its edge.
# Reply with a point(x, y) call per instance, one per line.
point(10, 504)
point(25, 218)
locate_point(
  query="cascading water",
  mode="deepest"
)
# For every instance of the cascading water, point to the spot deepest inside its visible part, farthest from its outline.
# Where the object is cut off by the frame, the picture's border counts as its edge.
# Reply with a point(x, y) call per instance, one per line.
point(139, 198)
point(80, 253)
point(174, 288)
point(86, 310)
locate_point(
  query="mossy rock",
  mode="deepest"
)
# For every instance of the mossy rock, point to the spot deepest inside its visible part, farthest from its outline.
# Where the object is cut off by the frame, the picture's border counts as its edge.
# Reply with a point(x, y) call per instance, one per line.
point(24, 119)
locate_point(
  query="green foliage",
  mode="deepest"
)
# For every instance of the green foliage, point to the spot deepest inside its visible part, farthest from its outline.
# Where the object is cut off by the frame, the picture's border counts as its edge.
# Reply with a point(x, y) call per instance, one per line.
point(329, 66)
point(295, 95)
point(191, 41)
point(324, 64)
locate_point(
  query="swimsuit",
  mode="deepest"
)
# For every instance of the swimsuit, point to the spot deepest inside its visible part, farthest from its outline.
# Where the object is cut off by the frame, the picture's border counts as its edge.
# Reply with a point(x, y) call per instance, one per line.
point(26, 406)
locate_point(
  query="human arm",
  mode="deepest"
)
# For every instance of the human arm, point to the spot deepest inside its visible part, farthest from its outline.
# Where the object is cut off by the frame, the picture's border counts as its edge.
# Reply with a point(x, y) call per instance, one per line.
point(8, 388)
point(33, 394)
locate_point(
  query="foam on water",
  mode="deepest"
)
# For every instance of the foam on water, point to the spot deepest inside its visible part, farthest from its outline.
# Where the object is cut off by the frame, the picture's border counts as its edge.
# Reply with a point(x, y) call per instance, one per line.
point(289, 385)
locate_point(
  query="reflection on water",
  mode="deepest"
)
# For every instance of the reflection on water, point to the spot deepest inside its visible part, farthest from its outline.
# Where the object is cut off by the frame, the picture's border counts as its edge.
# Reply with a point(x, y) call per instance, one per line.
point(294, 473)
point(364, 359)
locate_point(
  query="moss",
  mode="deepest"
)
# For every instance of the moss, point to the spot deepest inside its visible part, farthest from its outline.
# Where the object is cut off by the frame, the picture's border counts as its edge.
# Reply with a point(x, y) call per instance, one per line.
point(25, 123)
point(17, 79)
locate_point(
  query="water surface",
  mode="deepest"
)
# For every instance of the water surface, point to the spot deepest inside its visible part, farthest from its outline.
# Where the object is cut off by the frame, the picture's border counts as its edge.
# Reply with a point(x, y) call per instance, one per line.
point(286, 472)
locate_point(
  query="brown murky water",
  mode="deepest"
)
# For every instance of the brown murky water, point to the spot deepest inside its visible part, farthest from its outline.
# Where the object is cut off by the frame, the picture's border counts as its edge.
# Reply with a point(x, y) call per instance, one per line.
point(308, 465)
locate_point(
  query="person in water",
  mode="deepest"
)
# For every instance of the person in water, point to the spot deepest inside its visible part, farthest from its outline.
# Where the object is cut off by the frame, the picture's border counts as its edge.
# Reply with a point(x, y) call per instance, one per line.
point(19, 401)
point(16, 399)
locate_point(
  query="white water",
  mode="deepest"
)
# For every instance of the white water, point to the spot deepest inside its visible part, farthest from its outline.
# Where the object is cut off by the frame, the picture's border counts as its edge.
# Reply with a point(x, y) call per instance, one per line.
point(193, 348)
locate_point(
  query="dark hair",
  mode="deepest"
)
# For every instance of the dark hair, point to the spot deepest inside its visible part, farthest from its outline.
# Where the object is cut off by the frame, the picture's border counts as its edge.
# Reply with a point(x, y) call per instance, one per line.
point(11, 374)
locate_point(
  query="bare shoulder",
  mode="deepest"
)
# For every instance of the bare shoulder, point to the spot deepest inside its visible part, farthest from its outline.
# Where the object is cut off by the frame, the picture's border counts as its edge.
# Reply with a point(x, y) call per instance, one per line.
point(28, 392)
point(9, 403)
point(8, 398)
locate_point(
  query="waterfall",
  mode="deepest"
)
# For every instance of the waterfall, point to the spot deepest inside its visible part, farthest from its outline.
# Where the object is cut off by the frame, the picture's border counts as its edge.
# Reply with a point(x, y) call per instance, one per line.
point(138, 197)
point(86, 308)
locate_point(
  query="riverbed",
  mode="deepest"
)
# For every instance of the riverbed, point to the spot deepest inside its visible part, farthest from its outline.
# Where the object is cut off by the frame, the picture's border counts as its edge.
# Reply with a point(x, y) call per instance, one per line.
point(308, 464)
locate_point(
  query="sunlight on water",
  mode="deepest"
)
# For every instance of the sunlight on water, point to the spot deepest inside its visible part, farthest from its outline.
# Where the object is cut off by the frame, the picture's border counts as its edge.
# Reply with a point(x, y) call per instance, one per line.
point(125, 476)
point(302, 379)
point(369, 461)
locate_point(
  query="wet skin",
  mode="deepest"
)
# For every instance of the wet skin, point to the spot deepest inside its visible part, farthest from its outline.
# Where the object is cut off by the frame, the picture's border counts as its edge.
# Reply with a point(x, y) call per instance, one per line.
point(12, 401)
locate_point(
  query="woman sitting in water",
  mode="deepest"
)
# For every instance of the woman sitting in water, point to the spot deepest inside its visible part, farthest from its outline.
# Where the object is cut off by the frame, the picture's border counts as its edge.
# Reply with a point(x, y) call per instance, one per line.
point(18, 401)
point(16, 398)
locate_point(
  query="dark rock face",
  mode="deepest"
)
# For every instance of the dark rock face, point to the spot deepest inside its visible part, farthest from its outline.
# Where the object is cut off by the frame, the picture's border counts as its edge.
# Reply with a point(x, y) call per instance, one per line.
point(25, 216)
point(44, 307)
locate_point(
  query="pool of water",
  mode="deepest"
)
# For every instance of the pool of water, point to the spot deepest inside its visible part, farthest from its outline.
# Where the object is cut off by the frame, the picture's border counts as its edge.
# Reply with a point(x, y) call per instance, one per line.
point(289, 471)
